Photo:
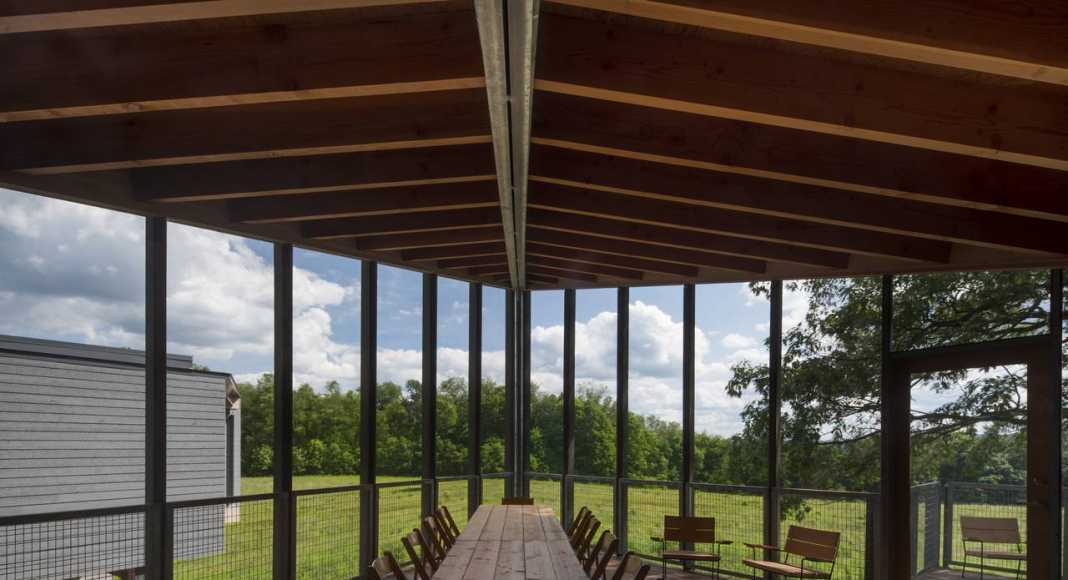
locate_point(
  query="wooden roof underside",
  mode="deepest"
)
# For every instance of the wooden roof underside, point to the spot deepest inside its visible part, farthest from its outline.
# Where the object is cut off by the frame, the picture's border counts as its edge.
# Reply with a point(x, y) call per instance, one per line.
point(619, 142)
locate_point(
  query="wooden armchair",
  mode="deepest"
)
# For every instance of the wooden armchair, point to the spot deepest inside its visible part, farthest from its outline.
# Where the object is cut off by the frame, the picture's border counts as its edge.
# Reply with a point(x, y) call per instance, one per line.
point(807, 546)
point(692, 531)
point(978, 534)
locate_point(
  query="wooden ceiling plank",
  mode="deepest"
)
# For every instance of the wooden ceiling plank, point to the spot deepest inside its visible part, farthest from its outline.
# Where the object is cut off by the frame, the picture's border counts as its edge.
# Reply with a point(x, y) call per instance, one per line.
point(434, 239)
point(562, 274)
point(452, 251)
point(316, 173)
point(730, 223)
point(246, 132)
point(579, 266)
point(795, 156)
point(591, 257)
point(400, 223)
point(723, 75)
point(652, 257)
point(229, 61)
point(970, 36)
point(338, 204)
point(689, 239)
point(500, 259)
point(491, 270)
point(775, 198)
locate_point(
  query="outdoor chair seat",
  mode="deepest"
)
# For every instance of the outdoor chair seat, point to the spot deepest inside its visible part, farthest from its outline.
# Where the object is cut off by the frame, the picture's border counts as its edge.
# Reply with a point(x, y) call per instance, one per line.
point(997, 554)
point(691, 555)
point(785, 569)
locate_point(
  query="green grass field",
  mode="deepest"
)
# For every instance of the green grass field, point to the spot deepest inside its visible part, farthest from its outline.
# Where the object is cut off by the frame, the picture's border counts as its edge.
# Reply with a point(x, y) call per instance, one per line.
point(328, 524)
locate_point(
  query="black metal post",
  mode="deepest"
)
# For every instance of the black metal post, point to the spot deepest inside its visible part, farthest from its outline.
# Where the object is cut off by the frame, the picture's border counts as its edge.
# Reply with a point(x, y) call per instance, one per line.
point(158, 535)
point(511, 413)
point(772, 507)
point(525, 395)
point(622, 411)
point(689, 336)
point(368, 402)
point(567, 497)
point(430, 392)
point(285, 545)
point(474, 396)
point(896, 497)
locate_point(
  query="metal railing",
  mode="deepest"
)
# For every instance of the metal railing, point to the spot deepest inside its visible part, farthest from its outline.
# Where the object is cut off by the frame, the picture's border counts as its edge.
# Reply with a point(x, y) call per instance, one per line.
point(230, 537)
point(739, 513)
point(850, 513)
point(328, 532)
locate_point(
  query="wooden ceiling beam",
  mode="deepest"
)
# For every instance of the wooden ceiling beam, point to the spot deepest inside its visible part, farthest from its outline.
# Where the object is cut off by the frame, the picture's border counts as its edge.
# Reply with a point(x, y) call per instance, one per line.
point(729, 76)
point(491, 270)
point(648, 257)
point(649, 180)
point(731, 223)
point(435, 239)
point(561, 273)
point(452, 251)
point(424, 221)
point(983, 37)
point(262, 59)
point(689, 239)
point(500, 259)
point(582, 266)
point(590, 257)
point(246, 132)
point(339, 204)
point(795, 156)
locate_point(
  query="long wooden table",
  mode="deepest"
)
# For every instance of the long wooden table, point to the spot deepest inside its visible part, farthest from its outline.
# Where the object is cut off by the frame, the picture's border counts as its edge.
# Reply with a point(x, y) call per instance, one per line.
point(512, 542)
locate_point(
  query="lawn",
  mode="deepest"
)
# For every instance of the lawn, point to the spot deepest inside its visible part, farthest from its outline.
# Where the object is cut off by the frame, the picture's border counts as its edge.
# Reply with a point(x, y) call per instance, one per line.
point(328, 524)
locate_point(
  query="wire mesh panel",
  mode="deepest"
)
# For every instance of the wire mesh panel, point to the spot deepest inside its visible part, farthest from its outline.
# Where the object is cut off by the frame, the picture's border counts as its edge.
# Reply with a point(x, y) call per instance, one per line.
point(927, 525)
point(647, 504)
point(545, 488)
point(328, 533)
point(493, 489)
point(227, 538)
point(739, 513)
point(598, 494)
point(988, 501)
point(72, 545)
point(452, 493)
point(399, 508)
point(842, 512)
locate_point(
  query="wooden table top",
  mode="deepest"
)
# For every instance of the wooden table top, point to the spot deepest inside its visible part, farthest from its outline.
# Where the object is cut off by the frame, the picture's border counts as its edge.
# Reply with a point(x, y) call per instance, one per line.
point(512, 542)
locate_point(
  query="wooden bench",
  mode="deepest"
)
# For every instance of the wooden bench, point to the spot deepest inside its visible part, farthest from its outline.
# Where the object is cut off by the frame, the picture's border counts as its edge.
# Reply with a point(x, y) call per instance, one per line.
point(997, 531)
point(808, 545)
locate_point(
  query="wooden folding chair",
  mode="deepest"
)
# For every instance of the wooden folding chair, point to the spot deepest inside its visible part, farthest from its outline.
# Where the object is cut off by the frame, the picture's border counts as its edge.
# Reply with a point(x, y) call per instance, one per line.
point(582, 550)
point(689, 530)
point(580, 530)
point(807, 546)
point(582, 513)
point(449, 520)
point(517, 501)
point(387, 568)
point(423, 569)
point(997, 531)
point(434, 539)
point(597, 564)
point(443, 529)
point(631, 568)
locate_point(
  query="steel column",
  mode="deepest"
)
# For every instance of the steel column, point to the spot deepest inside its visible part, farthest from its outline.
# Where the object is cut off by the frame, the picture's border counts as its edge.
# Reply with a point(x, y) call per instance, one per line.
point(689, 335)
point(284, 533)
point(622, 411)
point(511, 411)
point(525, 395)
point(772, 506)
point(895, 482)
point(430, 392)
point(474, 396)
point(158, 535)
point(368, 402)
point(567, 497)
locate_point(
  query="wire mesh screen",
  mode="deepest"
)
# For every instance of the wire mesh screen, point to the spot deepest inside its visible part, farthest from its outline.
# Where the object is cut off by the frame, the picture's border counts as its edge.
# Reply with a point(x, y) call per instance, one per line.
point(493, 489)
point(545, 489)
point(328, 533)
point(988, 501)
point(65, 546)
point(231, 539)
point(927, 524)
point(647, 504)
point(599, 497)
point(739, 513)
point(399, 508)
point(452, 493)
point(842, 512)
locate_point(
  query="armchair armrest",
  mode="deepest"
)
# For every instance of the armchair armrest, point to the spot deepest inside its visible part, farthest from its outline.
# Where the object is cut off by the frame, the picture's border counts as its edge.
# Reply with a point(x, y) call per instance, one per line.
point(818, 560)
point(762, 547)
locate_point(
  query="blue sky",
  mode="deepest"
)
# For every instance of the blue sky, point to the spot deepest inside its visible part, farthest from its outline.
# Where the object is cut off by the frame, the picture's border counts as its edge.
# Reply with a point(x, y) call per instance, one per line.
point(72, 272)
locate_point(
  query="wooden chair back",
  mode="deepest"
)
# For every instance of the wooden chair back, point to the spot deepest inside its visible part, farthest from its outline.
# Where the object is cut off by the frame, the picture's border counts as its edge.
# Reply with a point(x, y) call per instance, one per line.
point(517, 501)
point(443, 529)
point(591, 558)
point(578, 518)
point(584, 545)
point(429, 550)
point(433, 538)
point(629, 567)
point(580, 529)
point(387, 568)
point(422, 568)
point(990, 530)
point(455, 529)
point(689, 529)
point(605, 558)
point(810, 543)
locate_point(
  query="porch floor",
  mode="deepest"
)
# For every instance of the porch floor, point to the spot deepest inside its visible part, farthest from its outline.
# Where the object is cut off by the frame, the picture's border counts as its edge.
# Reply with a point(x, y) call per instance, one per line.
point(938, 574)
